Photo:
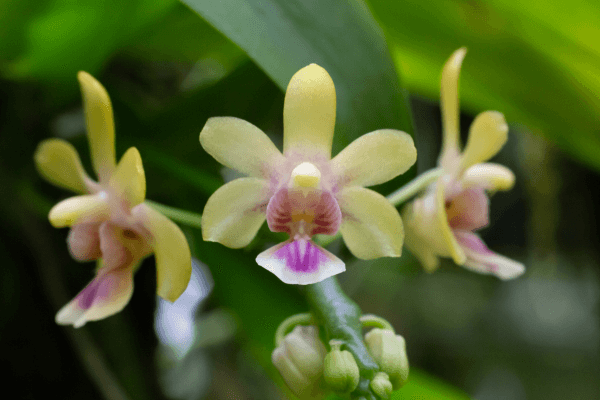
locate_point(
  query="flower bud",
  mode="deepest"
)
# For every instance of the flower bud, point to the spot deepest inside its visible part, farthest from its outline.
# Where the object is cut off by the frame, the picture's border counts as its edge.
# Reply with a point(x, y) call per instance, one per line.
point(340, 370)
point(381, 385)
point(389, 352)
point(299, 360)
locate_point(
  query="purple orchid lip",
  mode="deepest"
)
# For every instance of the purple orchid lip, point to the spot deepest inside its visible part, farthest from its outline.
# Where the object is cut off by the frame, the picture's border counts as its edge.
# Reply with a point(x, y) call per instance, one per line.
point(301, 256)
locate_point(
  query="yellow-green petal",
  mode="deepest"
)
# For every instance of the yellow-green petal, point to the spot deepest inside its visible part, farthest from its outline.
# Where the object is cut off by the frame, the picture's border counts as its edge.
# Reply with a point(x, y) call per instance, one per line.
point(371, 226)
point(375, 158)
point(173, 257)
point(418, 245)
point(79, 209)
point(235, 212)
point(487, 135)
point(428, 234)
point(240, 145)
point(452, 247)
point(450, 101)
point(100, 125)
point(490, 176)
point(58, 162)
point(128, 181)
point(309, 112)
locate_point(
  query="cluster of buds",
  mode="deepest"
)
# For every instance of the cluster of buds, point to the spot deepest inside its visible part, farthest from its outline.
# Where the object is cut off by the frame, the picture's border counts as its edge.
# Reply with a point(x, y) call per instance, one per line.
point(310, 371)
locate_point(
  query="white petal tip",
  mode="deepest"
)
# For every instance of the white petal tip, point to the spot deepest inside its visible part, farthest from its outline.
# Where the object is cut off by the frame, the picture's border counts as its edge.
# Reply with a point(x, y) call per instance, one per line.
point(300, 262)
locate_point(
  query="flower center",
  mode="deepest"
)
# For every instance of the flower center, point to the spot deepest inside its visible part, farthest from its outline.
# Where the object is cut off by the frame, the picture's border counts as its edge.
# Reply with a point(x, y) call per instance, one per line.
point(306, 175)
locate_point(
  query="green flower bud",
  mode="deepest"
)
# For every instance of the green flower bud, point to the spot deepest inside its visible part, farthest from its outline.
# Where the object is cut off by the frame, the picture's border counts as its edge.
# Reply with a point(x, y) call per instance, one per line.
point(389, 352)
point(381, 385)
point(299, 360)
point(340, 370)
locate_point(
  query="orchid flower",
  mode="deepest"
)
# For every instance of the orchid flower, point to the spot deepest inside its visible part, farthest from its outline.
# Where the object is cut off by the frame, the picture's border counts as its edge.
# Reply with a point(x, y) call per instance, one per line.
point(441, 223)
point(110, 221)
point(303, 191)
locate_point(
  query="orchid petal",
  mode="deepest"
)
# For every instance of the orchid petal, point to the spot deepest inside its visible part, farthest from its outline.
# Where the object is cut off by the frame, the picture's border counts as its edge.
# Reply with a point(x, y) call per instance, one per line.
point(469, 210)
point(450, 101)
point(104, 296)
point(115, 254)
point(84, 242)
point(317, 210)
point(426, 218)
point(173, 257)
point(481, 259)
point(309, 112)
point(490, 176)
point(375, 158)
point(235, 212)
point(128, 181)
point(419, 246)
point(100, 125)
point(487, 135)
point(240, 145)
point(371, 226)
point(300, 262)
point(80, 209)
point(58, 162)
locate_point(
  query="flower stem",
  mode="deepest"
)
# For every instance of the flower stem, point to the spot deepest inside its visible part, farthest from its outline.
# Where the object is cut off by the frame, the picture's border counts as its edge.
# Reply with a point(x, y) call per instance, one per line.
point(340, 317)
point(373, 321)
point(182, 216)
point(415, 186)
point(286, 326)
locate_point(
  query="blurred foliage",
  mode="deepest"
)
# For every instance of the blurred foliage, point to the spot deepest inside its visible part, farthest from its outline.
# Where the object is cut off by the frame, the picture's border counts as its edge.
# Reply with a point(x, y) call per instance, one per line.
point(537, 62)
point(168, 68)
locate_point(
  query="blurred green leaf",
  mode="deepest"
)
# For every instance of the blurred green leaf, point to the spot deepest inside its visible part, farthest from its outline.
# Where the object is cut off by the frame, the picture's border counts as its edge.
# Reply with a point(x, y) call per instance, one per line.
point(282, 36)
point(537, 62)
point(163, 41)
point(422, 386)
point(62, 36)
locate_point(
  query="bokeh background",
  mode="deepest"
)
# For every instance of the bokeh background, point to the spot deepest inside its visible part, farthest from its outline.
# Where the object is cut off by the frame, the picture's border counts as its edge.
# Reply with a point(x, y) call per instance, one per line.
point(168, 66)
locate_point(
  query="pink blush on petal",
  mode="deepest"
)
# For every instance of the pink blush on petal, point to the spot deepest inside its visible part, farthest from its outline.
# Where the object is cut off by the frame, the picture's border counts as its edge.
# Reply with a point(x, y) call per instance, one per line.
point(472, 242)
point(84, 242)
point(468, 210)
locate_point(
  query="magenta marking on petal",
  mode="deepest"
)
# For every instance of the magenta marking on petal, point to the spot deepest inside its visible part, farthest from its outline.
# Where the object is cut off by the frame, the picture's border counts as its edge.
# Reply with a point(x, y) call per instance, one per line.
point(315, 211)
point(279, 214)
point(468, 210)
point(472, 242)
point(328, 216)
point(301, 256)
point(86, 297)
point(101, 288)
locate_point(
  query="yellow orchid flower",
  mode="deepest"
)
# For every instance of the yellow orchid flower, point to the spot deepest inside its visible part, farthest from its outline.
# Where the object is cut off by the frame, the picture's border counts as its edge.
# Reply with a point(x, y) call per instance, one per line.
point(441, 222)
point(303, 191)
point(110, 220)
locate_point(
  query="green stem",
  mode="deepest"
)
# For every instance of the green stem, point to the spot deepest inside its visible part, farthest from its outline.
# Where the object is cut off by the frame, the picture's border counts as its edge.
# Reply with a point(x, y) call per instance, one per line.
point(340, 317)
point(182, 216)
point(415, 186)
point(373, 321)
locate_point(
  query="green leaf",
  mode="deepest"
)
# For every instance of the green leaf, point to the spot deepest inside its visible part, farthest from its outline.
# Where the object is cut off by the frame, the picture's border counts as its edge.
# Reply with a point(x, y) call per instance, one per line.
point(65, 36)
point(538, 63)
point(282, 36)
point(422, 386)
